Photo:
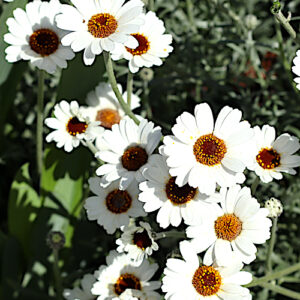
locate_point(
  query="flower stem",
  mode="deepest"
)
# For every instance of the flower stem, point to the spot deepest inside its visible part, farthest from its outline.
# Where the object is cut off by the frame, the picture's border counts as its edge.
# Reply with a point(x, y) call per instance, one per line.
point(190, 14)
point(57, 277)
point(39, 124)
point(146, 99)
point(280, 290)
point(274, 275)
point(271, 245)
point(254, 185)
point(94, 150)
point(167, 234)
point(113, 82)
point(151, 5)
point(129, 87)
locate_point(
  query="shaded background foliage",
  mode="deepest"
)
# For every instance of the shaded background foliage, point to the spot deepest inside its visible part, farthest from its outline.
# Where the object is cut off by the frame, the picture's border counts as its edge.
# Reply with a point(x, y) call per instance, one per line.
point(222, 55)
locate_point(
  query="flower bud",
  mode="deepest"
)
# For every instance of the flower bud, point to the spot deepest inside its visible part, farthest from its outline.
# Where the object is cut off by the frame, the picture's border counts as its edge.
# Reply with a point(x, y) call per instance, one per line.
point(274, 206)
point(146, 74)
point(251, 22)
point(55, 240)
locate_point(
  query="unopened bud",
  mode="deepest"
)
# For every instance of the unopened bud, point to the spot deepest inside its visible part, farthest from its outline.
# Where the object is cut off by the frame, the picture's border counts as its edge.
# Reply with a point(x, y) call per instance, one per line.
point(251, 22)
point(55, 240)
point(274, 206)
point(146, 74)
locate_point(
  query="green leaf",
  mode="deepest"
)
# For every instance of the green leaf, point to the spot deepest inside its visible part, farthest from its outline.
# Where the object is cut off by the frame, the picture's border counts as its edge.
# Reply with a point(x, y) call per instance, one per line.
point(7, 12)
point(22, 208)
point(77, 80)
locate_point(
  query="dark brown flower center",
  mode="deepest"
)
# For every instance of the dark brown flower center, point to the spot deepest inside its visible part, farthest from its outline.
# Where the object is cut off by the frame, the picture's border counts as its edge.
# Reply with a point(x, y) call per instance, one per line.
point(74, 126)
point(209, 150)
point(44, 42)
point(179, 195)
point(118, 201)
point(268, 158)
point(108, 117)
point(207, 280)
point(143, 46)
point(228, 227)
point(142, 239)
point(134, 157)
point(127, 281)
point(102, 25)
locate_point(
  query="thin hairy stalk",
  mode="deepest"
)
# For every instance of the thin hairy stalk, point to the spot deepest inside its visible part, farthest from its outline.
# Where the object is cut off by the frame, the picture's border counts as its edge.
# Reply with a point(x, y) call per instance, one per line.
point(94, 150)
point(57, 277)
point(254, 185)
point(271, 245)
point(190, 14)
point(113, 83)
point(129, 87)
point(280, 290)
point(167, 234)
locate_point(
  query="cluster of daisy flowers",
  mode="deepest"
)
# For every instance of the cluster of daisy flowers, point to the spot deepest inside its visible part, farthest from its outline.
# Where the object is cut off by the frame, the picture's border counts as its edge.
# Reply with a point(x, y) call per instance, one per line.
point(194, 177)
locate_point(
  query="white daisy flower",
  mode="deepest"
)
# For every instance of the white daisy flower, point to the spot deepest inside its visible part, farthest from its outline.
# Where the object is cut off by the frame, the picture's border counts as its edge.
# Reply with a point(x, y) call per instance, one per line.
point(83, 293)
point(34, 36)
point(70, 126)
point(174, 203)
point(100, 25)
point(137, 241)
point(111, 207)
point(273, 156)
point(187, 279)
point(204, 154)
point(232, 229)
point(296, 68)
point(122, 274)
point(153, 45)
point(130, 147)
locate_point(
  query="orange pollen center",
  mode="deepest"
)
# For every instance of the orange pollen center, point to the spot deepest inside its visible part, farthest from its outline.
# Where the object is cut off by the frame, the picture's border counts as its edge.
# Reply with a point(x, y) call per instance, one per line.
point(209, 150)
point(127, 281)
point(102, 25)
point(44, 42)
point(268, 158)
point(179, 195)
point(118, 201)
point(108, 117)
point(207, 280)
point(228, 227)
point(133, 158)
point(142, 48)
point(142, 239)
point(74, 126)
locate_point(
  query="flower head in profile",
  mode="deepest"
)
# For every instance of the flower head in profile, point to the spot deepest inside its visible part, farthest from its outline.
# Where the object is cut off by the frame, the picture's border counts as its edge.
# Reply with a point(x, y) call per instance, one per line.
point(296, 68)
point(274, 155)
point(137, 241)
point(129, 148)
point(188, 279)
point(100, 25)
point(121, 274)
point(203, 153)
point(160, 192)
point(112, 207)
point(70, 126)
point(230, 231)
point(84, 291)
point(153, 44)
point(34, 36)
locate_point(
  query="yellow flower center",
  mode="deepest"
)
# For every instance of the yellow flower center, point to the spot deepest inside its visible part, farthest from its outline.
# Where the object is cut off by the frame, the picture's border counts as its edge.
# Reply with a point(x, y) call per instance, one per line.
point(44, 42)
point(118, 201)
point(207, 280)
point(108, 117)
point(179, 195)
point(268, 158)
point(228, 227)
point(142, 48)
point(102, 25)
point(209, 150)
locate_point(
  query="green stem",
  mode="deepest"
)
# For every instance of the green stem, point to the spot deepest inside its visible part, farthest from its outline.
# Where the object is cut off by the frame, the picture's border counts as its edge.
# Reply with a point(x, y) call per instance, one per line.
point(39, 124)
point(271, 245)
point(167, 234)
point(94, 150)
point(280, 290)
point(151, 5)
point(129, 87)
point(146, 99)
point(57, 277)
point(190, 14)
point(274, 275)
point(254, 185)
point(114, 85)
